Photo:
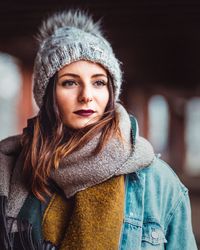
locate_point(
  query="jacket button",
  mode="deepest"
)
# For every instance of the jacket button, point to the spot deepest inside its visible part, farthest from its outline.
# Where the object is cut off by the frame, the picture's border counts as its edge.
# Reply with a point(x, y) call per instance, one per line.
point(154, 235)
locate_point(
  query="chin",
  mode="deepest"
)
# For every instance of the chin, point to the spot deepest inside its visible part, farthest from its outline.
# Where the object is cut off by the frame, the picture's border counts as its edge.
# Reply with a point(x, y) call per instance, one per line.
point(81, 123)
point(78, 125)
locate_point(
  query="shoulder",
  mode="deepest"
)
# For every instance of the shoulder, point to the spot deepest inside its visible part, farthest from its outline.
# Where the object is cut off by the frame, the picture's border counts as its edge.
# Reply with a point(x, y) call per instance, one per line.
point(164, 193)
point(163, 177)
point(10, 144)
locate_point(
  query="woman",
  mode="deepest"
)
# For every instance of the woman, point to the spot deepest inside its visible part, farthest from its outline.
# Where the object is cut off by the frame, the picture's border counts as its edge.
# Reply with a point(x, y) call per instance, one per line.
point(80, 176)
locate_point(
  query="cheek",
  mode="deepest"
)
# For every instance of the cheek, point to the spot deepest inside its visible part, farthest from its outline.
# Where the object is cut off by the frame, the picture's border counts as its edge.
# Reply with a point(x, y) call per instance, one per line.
point(63, 95)
point(63, 101)
point(104, 99)
point(59, 99)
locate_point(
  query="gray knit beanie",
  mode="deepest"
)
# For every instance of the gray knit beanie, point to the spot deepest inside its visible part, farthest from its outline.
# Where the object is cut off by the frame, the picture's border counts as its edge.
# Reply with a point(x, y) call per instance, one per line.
point(67, 37)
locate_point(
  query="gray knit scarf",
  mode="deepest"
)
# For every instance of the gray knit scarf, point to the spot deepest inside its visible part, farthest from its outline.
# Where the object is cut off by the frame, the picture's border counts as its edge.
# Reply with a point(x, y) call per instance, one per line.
point(77, 171)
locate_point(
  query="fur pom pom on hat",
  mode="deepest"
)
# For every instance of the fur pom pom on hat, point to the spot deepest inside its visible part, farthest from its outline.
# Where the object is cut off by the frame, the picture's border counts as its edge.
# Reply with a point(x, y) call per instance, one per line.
point(71, 18)
point(70, 36)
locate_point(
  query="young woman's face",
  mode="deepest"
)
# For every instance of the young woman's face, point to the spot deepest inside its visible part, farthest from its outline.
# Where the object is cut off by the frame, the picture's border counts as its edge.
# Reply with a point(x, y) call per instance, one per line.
point(82, 93)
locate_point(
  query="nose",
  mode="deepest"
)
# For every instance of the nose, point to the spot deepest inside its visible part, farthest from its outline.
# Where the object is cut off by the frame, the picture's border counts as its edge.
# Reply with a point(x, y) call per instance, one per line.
point(85, 95)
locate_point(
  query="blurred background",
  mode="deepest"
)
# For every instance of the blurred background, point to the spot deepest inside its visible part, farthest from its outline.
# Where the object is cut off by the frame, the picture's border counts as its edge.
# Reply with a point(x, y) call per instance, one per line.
point(158, 43)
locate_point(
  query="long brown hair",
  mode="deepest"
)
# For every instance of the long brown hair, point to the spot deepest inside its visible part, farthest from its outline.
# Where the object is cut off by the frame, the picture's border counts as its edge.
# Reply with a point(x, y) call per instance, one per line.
point(46, 140)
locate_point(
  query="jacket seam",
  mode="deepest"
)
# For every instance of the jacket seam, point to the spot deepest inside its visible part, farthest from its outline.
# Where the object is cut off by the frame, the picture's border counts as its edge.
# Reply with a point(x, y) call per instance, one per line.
point(183, 187)
point(172, 212)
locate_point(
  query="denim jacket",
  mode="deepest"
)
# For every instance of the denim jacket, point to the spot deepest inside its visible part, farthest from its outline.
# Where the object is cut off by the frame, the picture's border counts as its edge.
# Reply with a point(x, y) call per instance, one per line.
point(157, 211)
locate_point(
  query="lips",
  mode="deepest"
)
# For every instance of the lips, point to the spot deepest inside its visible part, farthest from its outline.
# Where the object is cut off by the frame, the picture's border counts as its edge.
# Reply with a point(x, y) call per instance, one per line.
point(84, 112)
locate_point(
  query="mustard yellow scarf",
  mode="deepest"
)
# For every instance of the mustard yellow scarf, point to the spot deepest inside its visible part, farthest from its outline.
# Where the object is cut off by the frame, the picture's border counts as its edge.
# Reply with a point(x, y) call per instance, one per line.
point(92, 219)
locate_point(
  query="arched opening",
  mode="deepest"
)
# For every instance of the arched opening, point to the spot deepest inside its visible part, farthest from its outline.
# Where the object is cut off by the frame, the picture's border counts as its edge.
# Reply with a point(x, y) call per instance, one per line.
point(192, 136)
point(10, 85)
point(158, 113)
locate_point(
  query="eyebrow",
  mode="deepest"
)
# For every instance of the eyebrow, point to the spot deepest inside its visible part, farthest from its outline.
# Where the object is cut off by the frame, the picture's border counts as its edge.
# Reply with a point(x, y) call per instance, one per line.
point(77, 76)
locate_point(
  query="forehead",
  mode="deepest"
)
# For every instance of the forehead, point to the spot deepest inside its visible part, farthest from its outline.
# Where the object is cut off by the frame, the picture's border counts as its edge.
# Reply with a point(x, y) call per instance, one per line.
point(83, 67)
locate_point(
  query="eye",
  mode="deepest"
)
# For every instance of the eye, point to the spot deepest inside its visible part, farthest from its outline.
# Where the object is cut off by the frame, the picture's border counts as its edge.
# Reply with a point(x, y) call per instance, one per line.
point(100, 83)
point(69, 83)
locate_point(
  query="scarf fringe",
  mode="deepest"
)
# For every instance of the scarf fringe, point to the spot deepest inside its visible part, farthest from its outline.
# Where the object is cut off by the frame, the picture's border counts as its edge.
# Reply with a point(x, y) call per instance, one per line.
point(24, 229)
